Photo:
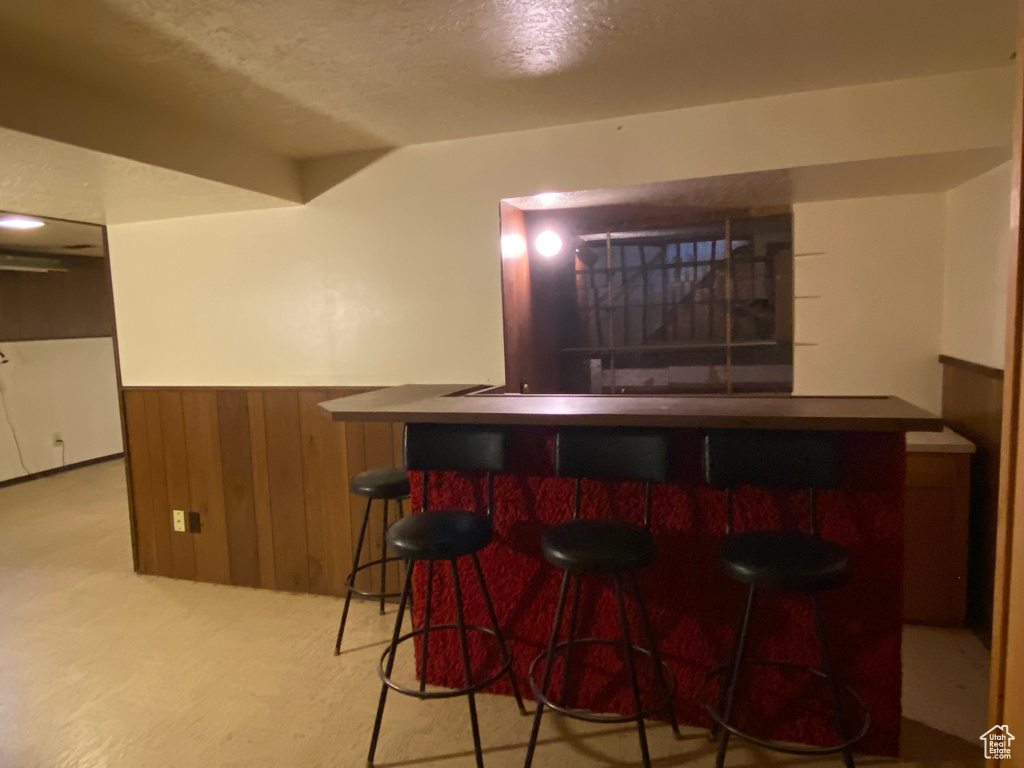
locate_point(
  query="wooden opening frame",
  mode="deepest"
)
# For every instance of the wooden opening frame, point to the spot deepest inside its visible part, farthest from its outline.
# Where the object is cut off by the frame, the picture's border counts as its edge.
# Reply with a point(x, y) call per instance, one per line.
point(1006, 693)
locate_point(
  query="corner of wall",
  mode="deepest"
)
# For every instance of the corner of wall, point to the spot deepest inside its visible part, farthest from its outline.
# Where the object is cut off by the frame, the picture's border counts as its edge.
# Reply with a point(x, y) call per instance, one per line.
point(976, 262)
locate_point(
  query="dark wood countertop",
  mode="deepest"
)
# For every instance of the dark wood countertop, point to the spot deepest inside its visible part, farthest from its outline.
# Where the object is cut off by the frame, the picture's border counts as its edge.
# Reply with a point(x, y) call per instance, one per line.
point(457, 404)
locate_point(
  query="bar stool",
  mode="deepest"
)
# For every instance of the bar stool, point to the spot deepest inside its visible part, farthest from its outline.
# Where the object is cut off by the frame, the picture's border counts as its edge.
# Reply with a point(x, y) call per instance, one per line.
point(388, 484)
point(437, 535)
point(788, 561)
point(596, 547)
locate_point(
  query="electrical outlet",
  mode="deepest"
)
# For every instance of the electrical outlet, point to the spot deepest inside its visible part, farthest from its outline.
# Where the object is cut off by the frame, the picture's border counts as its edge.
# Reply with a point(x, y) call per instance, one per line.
point(179, 520)
point(57, 438)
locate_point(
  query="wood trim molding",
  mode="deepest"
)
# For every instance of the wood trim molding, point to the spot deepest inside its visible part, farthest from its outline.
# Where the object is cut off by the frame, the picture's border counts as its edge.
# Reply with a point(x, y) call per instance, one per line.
point(978, 368)
point(1006, 689)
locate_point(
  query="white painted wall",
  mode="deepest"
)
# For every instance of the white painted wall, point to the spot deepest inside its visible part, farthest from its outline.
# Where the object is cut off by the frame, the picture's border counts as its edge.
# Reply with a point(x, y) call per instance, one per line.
point(874, 266)
point(979, 246)
point(393, 275)
point(67, 386)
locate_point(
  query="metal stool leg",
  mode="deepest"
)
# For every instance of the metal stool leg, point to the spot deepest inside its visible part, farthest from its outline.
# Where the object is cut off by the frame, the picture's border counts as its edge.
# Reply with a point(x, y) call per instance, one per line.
point(425, 657)
point(655, 655)
point(350, 581)
point(464, 642)
point(548, 661)
point(406, 591)
point(506, 655)
point(826, 667)
point(383, 557)
point(715, 729)
point(730, 695)
point(627, 650)
point(567, 689)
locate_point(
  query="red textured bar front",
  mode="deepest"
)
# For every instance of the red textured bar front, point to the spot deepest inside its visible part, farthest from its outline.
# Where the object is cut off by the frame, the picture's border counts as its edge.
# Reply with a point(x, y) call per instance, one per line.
point(694, 606)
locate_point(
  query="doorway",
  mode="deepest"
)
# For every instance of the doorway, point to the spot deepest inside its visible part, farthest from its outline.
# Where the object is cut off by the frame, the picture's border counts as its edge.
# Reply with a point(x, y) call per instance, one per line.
point(59, 381)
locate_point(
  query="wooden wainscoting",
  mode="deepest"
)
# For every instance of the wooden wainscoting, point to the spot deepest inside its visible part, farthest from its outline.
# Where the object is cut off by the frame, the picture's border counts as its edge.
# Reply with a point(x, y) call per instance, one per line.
point(972, 404)
point(76, 303)
point(268, 474)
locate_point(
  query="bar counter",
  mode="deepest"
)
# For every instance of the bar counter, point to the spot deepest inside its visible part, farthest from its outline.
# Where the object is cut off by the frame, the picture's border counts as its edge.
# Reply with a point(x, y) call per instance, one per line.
point(474, 404)
point(693, 604)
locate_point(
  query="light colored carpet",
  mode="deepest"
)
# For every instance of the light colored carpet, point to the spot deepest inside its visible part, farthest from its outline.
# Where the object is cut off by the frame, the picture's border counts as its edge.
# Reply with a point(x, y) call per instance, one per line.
point(100, 668)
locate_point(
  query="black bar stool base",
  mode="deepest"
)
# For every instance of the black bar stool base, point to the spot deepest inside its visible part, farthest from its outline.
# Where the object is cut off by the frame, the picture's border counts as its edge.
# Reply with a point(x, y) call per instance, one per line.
point(638, 715)
point(603, 717)
point(350, 580)
point(446, 693)
point(381, 562)
point(784, 746)
point(386, 665)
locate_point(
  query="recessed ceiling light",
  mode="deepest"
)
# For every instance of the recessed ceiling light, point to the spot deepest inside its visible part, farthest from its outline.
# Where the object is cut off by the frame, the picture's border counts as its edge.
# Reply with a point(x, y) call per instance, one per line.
point(20, 222)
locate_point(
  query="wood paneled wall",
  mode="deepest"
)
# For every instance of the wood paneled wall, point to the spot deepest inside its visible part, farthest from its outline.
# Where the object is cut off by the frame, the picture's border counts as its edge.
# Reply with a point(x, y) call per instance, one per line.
point(268, 474)
point(936, 535)
point(516, 303)
point(74, 304)
point(972, 404)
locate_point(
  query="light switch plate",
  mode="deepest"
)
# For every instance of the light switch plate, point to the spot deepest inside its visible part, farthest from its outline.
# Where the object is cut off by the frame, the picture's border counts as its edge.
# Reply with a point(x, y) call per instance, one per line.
point(179, 520)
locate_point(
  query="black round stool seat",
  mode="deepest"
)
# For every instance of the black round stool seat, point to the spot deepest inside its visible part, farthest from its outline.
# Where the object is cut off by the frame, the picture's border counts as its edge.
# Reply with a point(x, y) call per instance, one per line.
point(383, 483)
point(790, 560)
point(598, 546)
point(439, 534)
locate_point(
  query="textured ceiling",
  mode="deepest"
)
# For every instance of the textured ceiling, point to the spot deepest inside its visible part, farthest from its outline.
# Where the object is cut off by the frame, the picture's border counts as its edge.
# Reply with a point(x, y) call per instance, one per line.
point(56, 237)
point(46, 178)
point(905, 175)
point(305, 78)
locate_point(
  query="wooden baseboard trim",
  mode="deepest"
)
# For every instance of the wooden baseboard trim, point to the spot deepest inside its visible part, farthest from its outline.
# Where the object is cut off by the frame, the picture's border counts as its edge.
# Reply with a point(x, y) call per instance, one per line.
point(59, 470)
point(978, 368)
